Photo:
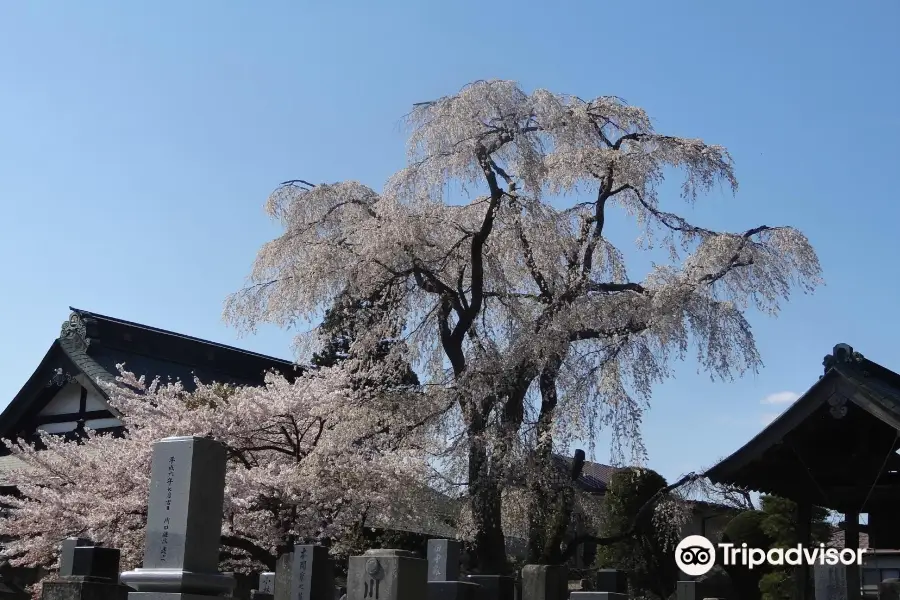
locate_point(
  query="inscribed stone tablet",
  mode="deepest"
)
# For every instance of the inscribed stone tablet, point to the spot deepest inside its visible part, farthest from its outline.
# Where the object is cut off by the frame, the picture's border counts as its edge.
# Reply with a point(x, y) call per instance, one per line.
point(184, 513)
point(443, 560)
point(301, 573)
point(267, 583)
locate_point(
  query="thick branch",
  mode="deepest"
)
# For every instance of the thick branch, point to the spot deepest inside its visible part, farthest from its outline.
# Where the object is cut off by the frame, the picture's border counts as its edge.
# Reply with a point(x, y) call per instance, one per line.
point(256, 553)
point(536, 275)
point(593, 334)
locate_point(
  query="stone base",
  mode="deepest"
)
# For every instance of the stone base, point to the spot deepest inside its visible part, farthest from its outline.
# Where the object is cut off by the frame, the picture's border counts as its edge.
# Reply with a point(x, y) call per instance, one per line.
point(83, 590)
point(597, 596)
point(168, 596)
point(452, 590)
point(169, 581)
point(494, 587)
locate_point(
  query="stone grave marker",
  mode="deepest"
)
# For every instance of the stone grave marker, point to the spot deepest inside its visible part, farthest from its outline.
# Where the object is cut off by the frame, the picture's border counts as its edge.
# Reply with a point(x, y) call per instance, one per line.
point(387, 575)
point(267, 583)
point(94, 576)
point(265, 588)
point(545, 582)
point(184, 523)
point(304, 574)
point(443, 560)
point(443, 573)
point(67, 552)
point(688, 590)
point(611, 580)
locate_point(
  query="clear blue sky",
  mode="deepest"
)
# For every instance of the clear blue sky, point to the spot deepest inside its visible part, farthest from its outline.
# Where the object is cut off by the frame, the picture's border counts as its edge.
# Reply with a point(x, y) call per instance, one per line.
point(139, 140)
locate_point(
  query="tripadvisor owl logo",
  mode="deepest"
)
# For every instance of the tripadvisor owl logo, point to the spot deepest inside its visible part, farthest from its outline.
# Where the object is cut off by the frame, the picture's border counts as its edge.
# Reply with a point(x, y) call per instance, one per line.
point(695, 555)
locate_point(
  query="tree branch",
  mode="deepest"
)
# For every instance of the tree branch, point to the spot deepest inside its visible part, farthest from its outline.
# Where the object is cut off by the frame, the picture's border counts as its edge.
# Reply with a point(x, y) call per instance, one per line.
point(256, 553)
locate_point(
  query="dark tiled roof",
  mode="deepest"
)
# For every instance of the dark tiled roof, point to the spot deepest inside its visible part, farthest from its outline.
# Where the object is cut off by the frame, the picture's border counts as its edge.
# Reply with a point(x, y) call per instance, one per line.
point(594, 478)
point(93, 344)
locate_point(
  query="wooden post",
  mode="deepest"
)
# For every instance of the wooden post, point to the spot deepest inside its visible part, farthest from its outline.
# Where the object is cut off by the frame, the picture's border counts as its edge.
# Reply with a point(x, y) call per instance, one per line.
point(851, 541)
point(801, 575)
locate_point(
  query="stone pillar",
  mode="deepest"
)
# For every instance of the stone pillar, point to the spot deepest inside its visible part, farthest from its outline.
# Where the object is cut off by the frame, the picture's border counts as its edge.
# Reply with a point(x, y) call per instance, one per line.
point(67, 553)
point(851, 540)
point(94, 576)
point(612, 580)
point(443, 573)
point(265, 589)
point(304, 574)
point(443, 560)
point(184, 523)
point(387, 575)
point(545, 582)
point(802, 579)
point(687, 590)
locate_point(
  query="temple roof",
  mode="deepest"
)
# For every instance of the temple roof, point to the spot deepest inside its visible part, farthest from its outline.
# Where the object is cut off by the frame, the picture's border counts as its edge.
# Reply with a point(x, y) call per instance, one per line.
point(834, 447)
point(90, 346)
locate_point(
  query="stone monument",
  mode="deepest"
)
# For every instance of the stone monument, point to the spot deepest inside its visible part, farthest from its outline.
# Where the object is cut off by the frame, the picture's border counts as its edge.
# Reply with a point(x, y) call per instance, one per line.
point(184, 523)
point(443, 573)
point(266, 587)
point(94, 576)
point(304, 574)
point(545, 582)
point(387, 575)
point(67, 552)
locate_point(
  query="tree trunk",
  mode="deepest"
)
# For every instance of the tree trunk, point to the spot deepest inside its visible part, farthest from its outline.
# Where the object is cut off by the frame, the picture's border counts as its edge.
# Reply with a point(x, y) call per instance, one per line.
point(489, 551)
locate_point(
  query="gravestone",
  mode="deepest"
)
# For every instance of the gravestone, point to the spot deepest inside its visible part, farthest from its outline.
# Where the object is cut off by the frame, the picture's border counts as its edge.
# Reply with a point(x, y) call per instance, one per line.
point(266, 583)
point(304, 574)
point(830, 582)
point(494, 587)
point(443, 560)
point(265, 588)
point(184, 523)
point(611, 580)
point(545, 582)
point(688, 590)
point(443, 573)
point(387, 575)
point(67, 552)
point(94, 576)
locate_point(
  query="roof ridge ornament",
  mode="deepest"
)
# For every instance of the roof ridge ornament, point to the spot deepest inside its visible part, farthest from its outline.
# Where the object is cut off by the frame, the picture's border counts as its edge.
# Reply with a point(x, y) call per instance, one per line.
point(76, 328)
point(841, 354)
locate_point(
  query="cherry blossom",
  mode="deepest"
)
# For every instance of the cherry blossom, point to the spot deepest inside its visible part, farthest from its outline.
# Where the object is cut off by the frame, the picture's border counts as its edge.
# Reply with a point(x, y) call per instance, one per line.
point(307, 458)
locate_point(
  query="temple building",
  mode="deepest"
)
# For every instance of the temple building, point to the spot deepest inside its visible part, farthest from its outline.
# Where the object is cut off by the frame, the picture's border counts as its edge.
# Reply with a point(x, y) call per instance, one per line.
point(65, 395)
point(836, 448)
